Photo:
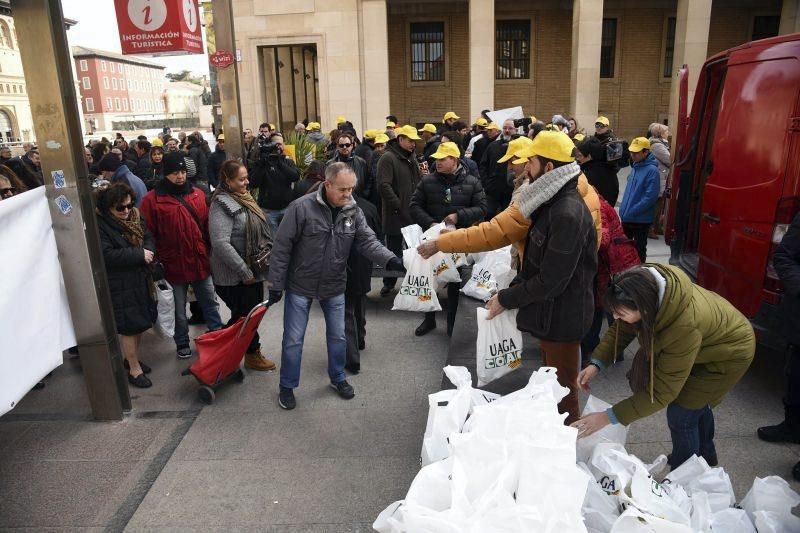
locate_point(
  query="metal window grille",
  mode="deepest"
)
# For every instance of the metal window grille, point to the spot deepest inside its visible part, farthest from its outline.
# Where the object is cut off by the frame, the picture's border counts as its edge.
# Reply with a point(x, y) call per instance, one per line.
point(765, 27)
point(669, 47)
point(608, 48)
point(427, 51)
point(512, 49)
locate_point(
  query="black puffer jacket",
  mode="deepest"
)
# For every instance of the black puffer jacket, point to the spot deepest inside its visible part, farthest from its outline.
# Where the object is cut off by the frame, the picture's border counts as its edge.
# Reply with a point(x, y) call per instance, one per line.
point(430, 205)
point(128, 277)
point(494, 175)
point(787, 264)
point(274, 178)
point(554, 291)
point(603, 177)
point(398, 175)
point(198, 155)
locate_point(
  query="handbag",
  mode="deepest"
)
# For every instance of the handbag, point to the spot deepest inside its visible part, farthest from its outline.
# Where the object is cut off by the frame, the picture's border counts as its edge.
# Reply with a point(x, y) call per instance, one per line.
point(258, 251)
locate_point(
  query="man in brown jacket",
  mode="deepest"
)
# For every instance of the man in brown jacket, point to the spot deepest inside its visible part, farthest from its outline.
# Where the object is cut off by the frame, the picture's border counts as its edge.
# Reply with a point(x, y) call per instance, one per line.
point(398, 176)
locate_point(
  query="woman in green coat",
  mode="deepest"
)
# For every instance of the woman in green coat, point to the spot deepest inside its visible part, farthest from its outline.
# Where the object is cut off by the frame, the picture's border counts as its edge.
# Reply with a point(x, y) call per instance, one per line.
point(696, 347)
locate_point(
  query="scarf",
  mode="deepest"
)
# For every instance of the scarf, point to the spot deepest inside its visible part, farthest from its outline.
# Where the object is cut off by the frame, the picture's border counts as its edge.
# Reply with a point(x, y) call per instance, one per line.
point(131, 227)
point(257, 230)
point(247, 201)
point(173, 189)
point(534, 195)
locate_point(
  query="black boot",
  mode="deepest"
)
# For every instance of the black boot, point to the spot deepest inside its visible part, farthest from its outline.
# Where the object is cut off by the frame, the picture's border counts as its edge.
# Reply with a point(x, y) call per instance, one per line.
point(428, 325)
point(786, 431)
point(197, 314)
point(796, 472)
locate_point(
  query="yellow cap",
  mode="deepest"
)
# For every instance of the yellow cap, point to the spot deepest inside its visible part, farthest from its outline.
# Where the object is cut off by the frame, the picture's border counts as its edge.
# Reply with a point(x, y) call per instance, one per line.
point(555, 145)
point(390, 124)
point(408, 131)
point(370, 134)
point(448, 149)
point(381, 138)
point(492, 126)
point(578, 137)
point(272, 127)
point(515, 147)
point(482, 122)
point(221, 137)
point(155, 141)
point(313, 126)
point(340, 120)
point(639, 144)
point(602, 120)
point(430, 128)
point(450, 115)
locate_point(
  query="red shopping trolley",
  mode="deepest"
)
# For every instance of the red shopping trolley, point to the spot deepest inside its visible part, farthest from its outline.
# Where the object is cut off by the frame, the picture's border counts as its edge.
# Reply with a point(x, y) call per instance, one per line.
point(219, 353)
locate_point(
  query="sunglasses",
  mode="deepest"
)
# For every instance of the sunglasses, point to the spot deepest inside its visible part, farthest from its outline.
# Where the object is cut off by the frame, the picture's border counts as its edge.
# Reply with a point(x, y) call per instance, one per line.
point(8, 191)
point(599, 125)
point(348, 145)
point(123, 207)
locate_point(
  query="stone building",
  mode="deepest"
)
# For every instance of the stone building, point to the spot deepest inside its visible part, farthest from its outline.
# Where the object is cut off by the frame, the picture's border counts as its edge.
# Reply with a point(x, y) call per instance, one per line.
point(365, 59)
point(16, 124)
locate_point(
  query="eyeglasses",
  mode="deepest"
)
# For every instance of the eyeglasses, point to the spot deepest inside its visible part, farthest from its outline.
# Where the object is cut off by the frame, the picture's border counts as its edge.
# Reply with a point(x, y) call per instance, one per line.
point(123, 207)
point(599, 125)
point(347, 145)
point(8, 191)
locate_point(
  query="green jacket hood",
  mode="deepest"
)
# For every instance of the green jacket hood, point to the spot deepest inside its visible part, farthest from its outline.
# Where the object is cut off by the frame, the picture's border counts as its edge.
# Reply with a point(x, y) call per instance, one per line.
point(677, 296)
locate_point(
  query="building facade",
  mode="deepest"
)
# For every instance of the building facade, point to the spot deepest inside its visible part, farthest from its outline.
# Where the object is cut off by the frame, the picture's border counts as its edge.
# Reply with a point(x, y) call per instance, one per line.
point(115, 88)
point(366, 59)
point(16, 123)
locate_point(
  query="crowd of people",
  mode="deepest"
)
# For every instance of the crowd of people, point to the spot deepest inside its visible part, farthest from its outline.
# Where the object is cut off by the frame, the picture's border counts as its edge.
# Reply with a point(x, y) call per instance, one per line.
point(211, 226)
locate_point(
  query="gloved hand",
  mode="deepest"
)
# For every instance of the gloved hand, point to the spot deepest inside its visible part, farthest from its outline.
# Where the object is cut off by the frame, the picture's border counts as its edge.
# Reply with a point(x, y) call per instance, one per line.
point(275, 297)
point(395, 263)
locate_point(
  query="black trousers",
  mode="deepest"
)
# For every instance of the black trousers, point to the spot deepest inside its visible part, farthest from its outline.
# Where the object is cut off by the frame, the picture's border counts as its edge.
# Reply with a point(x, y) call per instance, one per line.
point(395, 244)
point(453, 292)
point(638, 232)
point(791, 400)
point(355, 325)
point(240, 299)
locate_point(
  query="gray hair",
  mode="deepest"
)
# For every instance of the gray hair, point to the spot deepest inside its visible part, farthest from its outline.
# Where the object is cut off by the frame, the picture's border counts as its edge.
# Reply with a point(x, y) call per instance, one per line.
point(658, 130)
point(334, 169)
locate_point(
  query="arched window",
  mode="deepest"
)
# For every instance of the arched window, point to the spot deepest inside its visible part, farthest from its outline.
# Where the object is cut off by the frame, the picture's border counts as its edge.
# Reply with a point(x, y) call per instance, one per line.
point(6, 128)
point(5, 35)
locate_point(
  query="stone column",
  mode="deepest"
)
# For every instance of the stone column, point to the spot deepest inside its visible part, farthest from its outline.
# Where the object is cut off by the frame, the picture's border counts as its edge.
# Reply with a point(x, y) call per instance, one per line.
point(584, 82)
point(374, 65)
point(481, 57)
point(790, 17)
point(691, 48)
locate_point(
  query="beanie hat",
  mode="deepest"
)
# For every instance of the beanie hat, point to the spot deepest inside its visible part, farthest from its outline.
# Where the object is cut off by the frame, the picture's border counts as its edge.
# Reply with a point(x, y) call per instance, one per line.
point(173, 162)
point(109, 163)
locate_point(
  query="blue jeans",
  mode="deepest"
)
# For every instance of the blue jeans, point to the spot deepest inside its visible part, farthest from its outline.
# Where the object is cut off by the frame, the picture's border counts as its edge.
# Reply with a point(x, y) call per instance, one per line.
point(204, 292)
point(275, 216)
point(295, 320)
point(692, 433)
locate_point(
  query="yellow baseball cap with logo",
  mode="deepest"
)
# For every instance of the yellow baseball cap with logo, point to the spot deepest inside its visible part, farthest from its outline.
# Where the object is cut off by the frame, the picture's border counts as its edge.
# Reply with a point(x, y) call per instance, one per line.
point(448, 149)
point(313, 126)
point(370, 134)
point(450, 115)
point(639, 144)
point(602, 120)
point(340, 120)
point(430, 128)
point(381, 138)
point(482, 122)
point(578, 137)
point(514, 147)
point(555, 145)
point(492, 126)
point(408, 131)
point(390, 124)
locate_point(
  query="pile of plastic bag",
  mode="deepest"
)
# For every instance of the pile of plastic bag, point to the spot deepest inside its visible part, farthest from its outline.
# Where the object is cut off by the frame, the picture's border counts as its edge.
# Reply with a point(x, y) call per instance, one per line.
point(508, 464)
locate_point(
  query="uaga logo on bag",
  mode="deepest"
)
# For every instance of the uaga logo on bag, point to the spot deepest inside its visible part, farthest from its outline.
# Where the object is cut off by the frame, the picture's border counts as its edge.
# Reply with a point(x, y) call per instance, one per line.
point(441, 267)
point(418, 286)
point(504, 353)
point(482, 277)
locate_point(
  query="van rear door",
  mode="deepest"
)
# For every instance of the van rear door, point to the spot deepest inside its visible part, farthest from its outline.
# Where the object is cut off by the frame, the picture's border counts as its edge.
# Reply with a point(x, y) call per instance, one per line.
point(745, 175)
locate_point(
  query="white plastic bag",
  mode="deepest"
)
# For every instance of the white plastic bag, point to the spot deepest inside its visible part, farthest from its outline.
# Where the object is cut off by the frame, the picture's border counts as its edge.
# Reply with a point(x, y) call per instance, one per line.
point(731, 519)
point(695, 475)
point(616, 433)
point(482, 284)
point(769, 504)
point(417, 292)
point(444, 264)
point(165, 302)
point(649, 496)
point(635, 521)
point(412, 235)
point(600, 509)
point(499, 345)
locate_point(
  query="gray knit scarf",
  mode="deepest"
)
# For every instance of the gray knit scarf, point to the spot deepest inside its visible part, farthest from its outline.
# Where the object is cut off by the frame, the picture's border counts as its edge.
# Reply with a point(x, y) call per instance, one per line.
point(532, 195)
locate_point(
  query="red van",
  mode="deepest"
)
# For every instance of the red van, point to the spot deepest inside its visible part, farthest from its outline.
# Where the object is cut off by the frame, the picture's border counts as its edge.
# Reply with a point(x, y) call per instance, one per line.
point(735, 185)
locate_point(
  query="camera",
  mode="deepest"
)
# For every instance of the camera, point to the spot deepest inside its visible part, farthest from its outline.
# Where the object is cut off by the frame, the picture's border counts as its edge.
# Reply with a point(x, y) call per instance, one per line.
point(524, 123)
point(268, 150)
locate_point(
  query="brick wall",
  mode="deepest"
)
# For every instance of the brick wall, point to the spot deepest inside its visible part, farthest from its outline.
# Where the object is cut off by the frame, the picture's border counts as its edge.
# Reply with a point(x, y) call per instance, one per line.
point(427, 101)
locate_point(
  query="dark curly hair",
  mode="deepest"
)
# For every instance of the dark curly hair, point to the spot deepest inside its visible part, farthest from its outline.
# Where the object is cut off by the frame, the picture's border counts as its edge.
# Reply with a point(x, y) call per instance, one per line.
point(113, 195)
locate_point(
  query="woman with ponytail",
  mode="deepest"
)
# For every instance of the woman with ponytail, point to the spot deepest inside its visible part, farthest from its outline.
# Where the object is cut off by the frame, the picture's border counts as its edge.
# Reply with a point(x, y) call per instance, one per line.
point(695, 346)
point(240, 233)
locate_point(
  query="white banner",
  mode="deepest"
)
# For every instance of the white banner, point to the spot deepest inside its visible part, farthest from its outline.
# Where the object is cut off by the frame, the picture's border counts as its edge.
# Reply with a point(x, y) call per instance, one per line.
point(35, 322)
point(499, 116)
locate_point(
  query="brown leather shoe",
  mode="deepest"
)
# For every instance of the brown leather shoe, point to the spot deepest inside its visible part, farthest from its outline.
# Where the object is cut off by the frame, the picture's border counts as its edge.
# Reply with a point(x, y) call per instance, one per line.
point(257, 361)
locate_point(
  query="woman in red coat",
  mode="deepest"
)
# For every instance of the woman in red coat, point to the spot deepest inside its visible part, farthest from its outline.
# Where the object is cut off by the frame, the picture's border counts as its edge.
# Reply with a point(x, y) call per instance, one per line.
point(616, 253)
point(177, 215)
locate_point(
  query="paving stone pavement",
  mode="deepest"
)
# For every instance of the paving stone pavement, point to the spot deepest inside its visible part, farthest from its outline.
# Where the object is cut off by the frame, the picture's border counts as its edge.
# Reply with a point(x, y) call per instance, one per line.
point(328, 466)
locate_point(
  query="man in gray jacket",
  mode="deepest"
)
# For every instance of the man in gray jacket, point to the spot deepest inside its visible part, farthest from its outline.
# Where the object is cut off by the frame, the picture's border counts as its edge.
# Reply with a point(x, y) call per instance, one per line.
point(309, 261)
